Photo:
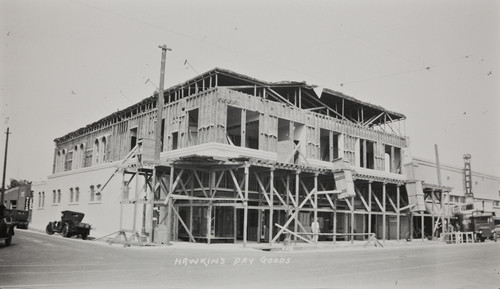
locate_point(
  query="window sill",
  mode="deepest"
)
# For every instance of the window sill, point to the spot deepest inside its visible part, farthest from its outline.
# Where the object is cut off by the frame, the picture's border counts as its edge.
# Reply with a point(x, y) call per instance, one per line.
point(73, 204)
point(42, 208)
point(95, 202)
point(54, 205)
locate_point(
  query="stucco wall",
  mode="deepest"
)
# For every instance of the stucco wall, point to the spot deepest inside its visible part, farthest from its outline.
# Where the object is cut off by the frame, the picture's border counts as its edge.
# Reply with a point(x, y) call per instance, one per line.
point(103, 215)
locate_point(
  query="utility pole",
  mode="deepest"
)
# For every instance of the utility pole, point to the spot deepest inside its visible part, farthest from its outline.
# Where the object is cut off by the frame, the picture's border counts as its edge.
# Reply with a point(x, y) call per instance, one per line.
point(438, 167)
point(5, 165)
point(159, 103)
point(159, 140)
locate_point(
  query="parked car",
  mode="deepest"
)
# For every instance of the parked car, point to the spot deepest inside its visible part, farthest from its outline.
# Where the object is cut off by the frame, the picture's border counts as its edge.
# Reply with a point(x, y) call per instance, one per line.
point(19, 218)
point(70, 225)
point(6, 230)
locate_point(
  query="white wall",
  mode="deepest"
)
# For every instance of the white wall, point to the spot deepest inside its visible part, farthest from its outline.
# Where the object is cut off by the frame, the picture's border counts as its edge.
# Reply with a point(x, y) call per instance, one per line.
point(103, 215)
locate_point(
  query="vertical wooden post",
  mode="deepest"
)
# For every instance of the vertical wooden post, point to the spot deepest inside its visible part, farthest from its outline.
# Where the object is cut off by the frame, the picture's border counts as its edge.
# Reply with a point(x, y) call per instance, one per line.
point(169, 206)
point(235, 227)
point(300, 97)
point(245, 203)
point(315, 197)
point(136, 198)
point(422, 225)
point(433, 227)
point(259, 222)
point(335, 220)
point(369, 206)
point(384, 197)
point(393, 161)
point(297, 189)
point(243, 127)
point(191, 193)
point(364, 154)
point(209, 222)
point(330, 141)
point(352, 220)
point(398, 205)
point(271, 209)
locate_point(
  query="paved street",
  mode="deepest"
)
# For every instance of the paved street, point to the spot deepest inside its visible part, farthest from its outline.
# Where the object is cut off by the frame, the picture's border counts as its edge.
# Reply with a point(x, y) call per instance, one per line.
point(35, 260)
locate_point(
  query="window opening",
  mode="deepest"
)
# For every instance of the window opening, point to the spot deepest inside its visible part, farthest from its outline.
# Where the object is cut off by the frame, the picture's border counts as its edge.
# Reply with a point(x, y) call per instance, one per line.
point(193, 127)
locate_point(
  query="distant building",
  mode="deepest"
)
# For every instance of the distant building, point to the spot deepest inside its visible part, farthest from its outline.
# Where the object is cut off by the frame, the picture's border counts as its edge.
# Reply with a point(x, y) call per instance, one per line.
point(19, 198)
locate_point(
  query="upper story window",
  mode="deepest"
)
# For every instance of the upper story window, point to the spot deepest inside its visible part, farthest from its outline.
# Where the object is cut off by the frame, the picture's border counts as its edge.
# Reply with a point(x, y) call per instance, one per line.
point(392, 158)
point(68, 161)
point(242, 127)
point(193, 127)
point(329, 145)
point(96, 152)
point(366, 154)
point(103, 150)
point(71, 195)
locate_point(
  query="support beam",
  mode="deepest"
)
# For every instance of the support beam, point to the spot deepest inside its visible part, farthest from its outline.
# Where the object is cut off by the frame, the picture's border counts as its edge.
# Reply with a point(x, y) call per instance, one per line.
point(245, 204)
point(384, 227)
point(398, 220)
point(271, 208)
point(370, 207)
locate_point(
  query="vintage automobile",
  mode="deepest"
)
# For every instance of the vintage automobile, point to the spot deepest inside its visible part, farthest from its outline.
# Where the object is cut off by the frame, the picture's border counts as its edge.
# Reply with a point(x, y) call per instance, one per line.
point(70, 225)
point(19, 218)
point(6, 230)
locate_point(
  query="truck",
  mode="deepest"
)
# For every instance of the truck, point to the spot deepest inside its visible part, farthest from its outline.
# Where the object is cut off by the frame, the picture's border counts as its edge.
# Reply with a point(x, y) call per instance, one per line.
point(19, 218)
point(482, 225)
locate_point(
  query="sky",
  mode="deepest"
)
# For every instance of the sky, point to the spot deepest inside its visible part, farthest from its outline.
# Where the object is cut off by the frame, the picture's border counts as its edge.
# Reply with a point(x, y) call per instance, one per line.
point(67, 63)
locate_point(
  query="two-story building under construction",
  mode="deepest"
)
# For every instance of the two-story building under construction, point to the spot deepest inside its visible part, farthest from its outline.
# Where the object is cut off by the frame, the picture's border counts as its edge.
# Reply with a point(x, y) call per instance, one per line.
point(241, 160)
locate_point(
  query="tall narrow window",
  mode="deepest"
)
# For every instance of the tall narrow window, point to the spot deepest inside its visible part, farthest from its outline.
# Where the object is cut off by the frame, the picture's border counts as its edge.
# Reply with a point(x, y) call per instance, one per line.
point(54, 196)
point(252, 130)
point(193, 127)
point(76, 159)
point(39, 199)
point(104, 150)
point(98, 193)
point(69, 161)
point(324, 145)
point(58, 196)
point(366, 154)
point(88, 157)
point(71, 195)
point(133, 137)
point(233, 125)
point(77, 194)
point(92, 193)
point(175, 140)
point(96, 152)
point(57, 165)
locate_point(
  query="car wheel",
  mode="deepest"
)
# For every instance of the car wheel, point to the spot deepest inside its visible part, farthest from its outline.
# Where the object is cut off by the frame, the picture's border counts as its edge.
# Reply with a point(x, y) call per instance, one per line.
point(8, 241)
point(48, 229)
point(85, 235)
point(65, 231)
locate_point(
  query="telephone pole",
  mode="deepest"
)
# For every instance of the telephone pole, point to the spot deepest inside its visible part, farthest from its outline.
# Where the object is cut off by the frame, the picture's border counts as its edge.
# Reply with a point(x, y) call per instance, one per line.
point(159, 103)
point(5, 165)
point(159, 140)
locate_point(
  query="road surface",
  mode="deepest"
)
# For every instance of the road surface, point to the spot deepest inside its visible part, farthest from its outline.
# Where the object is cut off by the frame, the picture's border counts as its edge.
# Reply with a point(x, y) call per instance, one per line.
point(36, 260)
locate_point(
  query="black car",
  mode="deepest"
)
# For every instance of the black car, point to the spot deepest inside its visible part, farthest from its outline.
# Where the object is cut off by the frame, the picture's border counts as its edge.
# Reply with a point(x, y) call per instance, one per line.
point(19, 218)
point(70, 225)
